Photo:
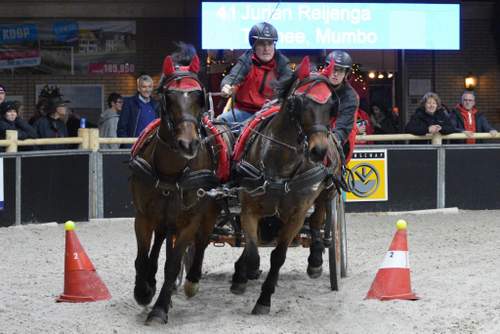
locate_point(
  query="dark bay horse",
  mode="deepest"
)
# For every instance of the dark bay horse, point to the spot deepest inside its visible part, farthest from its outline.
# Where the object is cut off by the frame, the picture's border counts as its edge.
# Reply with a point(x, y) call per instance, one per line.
point(167, 172)
point(288, 173)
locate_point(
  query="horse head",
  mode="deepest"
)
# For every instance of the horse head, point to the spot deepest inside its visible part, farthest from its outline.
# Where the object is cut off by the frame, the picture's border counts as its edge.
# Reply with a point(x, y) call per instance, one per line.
point(309, 101)
point(182, 104)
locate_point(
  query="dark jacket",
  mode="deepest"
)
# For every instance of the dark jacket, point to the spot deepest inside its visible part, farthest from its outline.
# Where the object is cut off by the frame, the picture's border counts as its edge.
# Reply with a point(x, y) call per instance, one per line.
point(47, 127)
point(255, 78)
point(344, 110)
point(129, 115)
point(482, 124)
point(420, 122)
point(24, 130)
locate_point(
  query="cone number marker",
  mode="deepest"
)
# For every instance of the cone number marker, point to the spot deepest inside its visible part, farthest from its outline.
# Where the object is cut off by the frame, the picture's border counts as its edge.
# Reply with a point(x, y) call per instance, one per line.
point(75, 256)
point(396, 259)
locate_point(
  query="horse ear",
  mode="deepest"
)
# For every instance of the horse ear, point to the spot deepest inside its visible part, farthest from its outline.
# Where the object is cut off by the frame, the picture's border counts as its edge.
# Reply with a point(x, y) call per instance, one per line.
point(168, 66)
point(304, 70)
point(329, 69)
point(195, 64)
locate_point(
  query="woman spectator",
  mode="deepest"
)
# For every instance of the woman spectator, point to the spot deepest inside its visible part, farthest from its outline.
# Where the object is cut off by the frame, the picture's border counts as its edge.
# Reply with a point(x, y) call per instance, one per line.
point(382, 122)
point(52, 125)
point(10, 120)
point(430, 117)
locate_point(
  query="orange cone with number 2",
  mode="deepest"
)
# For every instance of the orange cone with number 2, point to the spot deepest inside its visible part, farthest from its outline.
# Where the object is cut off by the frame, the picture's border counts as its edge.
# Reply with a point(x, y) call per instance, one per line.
point(81, 282)
point(393, 277)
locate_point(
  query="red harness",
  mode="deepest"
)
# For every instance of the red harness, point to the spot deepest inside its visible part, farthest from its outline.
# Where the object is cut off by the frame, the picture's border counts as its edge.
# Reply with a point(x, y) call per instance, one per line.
point(239, 147)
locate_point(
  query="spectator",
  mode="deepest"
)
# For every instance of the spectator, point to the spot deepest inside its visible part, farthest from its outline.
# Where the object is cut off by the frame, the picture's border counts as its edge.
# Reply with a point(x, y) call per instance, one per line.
point(52, 125)
point(363, 126)
point(466, 118)
point(3, 93)
point(138, 110)
point(430, 117)
point(10, 120)
point(108, 123)
point(250, 79)
point(381, 121)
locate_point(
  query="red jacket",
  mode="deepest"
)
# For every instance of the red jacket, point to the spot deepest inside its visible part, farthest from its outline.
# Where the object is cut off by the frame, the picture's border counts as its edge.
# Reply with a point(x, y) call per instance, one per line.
point(362, 116)
point(254, 78)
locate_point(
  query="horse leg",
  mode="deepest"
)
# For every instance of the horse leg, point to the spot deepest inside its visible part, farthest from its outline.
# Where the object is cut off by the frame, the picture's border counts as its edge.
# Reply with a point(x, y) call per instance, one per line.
point(191, 285)
point(315, 259)
point(143, 291)
point(249, 261)
point(278, 256)
point(160, 235)
point(159, 312)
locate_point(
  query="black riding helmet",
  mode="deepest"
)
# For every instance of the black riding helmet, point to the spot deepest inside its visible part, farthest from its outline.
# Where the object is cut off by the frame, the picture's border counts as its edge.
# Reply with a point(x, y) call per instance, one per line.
point(342, 59)
point(262, 31)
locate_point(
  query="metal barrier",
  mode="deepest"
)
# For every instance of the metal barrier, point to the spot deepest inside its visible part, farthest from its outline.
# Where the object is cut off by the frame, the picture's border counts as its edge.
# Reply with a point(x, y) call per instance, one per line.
point(90, 182)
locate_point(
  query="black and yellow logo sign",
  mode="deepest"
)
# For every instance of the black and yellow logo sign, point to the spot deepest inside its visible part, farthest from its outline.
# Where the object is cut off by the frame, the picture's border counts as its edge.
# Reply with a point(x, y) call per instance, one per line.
point(368, 179)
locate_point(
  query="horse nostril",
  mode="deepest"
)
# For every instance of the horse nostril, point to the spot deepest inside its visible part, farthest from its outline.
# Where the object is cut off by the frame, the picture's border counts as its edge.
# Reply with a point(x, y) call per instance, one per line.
point(183, 144)
point(318, 153)
point(195, 143)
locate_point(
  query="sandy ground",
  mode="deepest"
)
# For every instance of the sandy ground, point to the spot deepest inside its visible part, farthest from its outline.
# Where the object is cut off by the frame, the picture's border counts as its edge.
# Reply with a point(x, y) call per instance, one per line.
point(453, 257)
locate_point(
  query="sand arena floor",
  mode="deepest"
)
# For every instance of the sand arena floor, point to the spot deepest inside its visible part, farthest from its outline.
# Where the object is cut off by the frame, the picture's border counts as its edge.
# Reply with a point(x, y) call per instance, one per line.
point(454, 261)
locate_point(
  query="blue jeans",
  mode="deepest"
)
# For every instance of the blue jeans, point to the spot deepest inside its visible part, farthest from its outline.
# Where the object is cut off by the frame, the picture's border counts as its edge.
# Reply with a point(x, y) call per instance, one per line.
point(236, 122)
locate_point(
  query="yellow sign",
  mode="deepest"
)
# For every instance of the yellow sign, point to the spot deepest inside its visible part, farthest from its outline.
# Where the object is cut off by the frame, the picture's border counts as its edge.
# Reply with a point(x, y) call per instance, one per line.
point(368, 179)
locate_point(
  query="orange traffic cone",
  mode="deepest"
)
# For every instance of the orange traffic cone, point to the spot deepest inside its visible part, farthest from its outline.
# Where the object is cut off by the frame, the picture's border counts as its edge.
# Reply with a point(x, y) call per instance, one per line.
point(393, 277)
point(81, 282)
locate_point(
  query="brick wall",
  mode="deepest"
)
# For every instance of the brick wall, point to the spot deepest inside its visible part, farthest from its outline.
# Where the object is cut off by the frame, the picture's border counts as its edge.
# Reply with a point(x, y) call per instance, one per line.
point(155, 39)
point(478, 55)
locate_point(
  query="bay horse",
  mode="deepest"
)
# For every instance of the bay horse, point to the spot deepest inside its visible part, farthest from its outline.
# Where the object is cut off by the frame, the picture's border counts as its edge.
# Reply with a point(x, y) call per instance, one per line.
point(282, 173)
point(168, 170)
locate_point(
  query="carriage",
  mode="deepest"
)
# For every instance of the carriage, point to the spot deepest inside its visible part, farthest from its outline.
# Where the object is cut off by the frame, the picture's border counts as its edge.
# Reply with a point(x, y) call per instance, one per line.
point(183, 192)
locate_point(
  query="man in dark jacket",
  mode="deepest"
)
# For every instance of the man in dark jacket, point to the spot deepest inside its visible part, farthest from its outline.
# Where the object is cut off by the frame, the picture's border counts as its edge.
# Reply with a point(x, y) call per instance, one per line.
point(10, 120)
point(466, 118)
point(347, 101)
point(430, 117)
point(138, 110)
point(250, 79)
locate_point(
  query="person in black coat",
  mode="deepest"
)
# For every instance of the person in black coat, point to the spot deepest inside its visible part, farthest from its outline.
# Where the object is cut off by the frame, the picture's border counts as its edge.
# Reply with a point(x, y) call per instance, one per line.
point(10, 120)
point(430, 117)
point(52, 125)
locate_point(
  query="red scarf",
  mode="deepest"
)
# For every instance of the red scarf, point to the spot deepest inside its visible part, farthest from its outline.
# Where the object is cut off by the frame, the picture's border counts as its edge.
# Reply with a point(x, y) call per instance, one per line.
point(469, 118)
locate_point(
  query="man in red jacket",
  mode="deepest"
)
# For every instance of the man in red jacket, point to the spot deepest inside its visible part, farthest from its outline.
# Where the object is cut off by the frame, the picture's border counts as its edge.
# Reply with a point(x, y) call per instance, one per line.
point(250, 79)
point(467, 119)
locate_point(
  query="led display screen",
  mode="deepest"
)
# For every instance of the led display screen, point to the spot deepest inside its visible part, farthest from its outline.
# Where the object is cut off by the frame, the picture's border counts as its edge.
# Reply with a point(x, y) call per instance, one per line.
point(225, 25)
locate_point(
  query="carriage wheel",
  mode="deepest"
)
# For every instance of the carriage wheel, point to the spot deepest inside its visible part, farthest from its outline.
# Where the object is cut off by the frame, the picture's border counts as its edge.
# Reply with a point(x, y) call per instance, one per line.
point(341, 222)
point(334, 250)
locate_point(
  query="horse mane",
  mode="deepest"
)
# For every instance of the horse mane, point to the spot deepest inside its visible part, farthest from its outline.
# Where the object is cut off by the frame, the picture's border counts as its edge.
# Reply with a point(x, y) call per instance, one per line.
point(283, 86)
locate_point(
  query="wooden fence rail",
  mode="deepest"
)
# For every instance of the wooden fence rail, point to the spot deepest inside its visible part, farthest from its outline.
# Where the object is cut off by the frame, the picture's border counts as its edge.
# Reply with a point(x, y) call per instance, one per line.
point(88, 139)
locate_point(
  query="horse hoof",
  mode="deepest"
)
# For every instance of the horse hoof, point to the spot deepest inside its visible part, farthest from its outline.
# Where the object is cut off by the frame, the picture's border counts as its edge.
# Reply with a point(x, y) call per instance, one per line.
point(314, 272)
point(238, 288)
point(144, 294)
point(190, 288)
point(254, 274)
point(261, 309)
point(157, 316)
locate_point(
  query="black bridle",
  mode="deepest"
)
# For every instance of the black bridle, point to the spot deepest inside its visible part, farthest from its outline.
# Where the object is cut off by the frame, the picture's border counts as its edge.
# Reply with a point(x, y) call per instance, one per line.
point(294, 99)
point(169, 120)
point(167, 117)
